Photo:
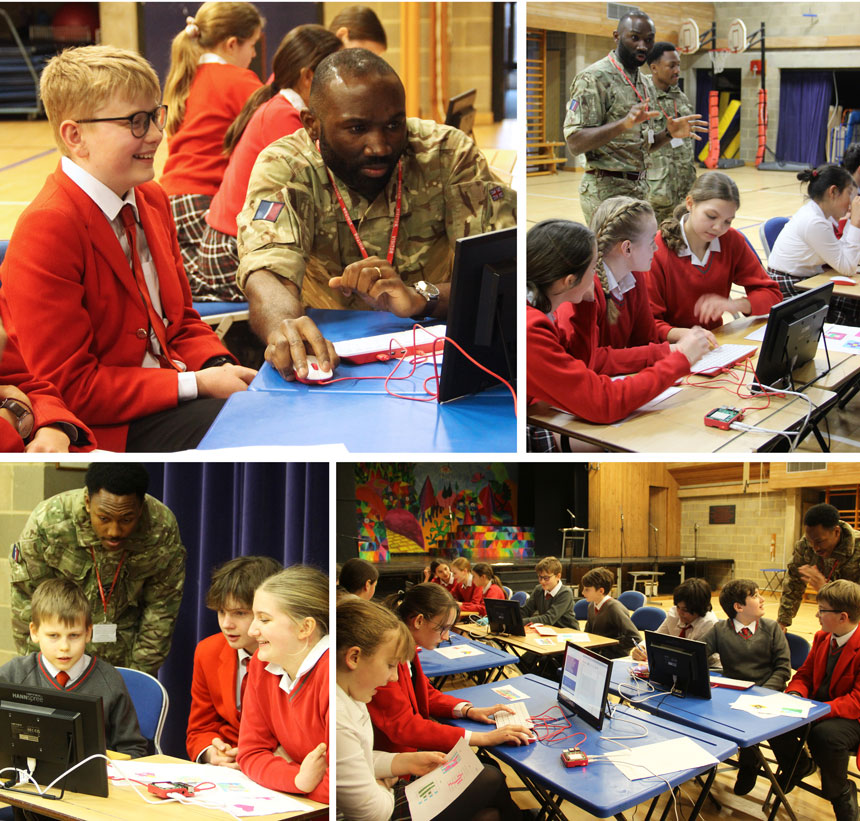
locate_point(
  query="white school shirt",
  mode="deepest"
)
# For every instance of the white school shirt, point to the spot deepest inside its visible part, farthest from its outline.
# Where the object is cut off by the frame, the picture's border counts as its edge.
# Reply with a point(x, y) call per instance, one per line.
point(807, 243)
point(699, 628)
point(618, 288)
point(293, 98)
point(713, 245)
point(286, 683)
point(75, 671)
point(111, 205)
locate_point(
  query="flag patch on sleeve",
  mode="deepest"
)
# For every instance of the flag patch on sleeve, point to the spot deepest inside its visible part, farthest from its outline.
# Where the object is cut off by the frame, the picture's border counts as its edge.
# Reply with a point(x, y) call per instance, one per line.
point(268, 210)
point(573, 105)
point(496, 193)
point(16, 553)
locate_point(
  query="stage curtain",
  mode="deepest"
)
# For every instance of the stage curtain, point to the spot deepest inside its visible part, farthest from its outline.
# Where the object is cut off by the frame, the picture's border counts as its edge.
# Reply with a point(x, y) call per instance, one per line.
point(804, 100)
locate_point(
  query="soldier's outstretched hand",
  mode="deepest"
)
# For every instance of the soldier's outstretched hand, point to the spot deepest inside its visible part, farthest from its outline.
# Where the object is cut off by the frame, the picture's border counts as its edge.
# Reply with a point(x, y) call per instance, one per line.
point(639, 114)
point(679, 127)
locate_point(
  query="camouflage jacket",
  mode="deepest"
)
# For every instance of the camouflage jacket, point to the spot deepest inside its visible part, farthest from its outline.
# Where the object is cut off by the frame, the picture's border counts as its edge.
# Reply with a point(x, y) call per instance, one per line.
point(667, 159)
point(601, 94)
point(293, 226)
point(843, 563)
point(56, 542)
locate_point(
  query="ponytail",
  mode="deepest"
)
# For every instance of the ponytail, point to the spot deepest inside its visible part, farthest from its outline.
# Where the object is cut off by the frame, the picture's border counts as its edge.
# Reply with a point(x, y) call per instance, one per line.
point(819, 180)
point(485, 570)
point(427, 599)
point(555, 248)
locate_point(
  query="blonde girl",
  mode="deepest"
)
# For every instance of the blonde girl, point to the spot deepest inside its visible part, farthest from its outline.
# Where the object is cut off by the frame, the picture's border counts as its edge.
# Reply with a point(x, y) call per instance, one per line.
point(288, 685)
point(465, 591)
point(207, 86)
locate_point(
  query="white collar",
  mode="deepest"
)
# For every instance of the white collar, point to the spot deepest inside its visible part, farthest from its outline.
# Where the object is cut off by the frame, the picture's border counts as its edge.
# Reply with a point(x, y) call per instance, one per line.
point(211, 57)
point(293, 98)
point(107, 201)
point(243, 654)
point(487, 588)
point(603, 601)
point(557, 589)
point(75, 671)
point(739, 626)
point(841, 641)
point(616, 288)
point(286, 683)
point(468, 581)
point(713, 245)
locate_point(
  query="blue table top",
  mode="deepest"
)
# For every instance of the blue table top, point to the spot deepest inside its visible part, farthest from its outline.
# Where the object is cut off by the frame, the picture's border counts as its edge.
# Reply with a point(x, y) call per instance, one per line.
point(434, 664)
point(598, 787)
point(360, 414)
point(716, 715)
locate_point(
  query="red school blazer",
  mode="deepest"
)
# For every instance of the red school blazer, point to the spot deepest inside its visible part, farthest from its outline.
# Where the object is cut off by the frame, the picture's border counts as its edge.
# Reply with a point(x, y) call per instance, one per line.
point(74, 308)
point(213, 696)
point(844, 683)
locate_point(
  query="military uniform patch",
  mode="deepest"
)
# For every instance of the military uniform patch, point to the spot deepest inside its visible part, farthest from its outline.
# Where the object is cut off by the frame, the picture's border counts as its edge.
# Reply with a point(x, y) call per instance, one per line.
point(496, 193)
point(268, 210)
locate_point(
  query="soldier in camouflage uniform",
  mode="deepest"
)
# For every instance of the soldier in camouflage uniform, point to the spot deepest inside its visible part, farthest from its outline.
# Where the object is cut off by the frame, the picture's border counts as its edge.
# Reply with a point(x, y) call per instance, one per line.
point(608, 118)
point(829, 550)
point(296, 246)
point(139, 558)
point(672, 171)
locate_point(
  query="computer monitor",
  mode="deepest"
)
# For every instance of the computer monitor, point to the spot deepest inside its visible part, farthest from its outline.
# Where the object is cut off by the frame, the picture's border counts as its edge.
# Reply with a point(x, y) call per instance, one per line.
point(585, 683)
point(679, 664)
point(505, 616)
point(461, 111)
point(58, 730)
point(791, 337)
point(482, 314)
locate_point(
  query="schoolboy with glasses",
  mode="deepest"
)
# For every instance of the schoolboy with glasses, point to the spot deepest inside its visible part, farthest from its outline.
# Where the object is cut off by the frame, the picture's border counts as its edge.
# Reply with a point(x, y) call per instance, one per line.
point(551, 602)
point(93, 283)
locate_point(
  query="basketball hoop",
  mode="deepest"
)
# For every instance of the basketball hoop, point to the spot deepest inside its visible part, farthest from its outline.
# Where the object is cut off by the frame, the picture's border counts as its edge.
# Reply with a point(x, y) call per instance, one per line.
point(688, 37)
point(737, 39)
point(718, 59)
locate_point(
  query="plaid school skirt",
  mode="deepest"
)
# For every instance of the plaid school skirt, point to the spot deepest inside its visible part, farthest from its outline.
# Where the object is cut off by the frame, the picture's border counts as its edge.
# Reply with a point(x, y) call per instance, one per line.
point(217, 262)
point(843, 310)
point(189, 217)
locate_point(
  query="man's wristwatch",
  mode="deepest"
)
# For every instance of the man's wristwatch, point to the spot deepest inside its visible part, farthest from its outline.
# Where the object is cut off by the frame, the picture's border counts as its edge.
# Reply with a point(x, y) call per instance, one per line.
point(430, 292)
point(22, 414)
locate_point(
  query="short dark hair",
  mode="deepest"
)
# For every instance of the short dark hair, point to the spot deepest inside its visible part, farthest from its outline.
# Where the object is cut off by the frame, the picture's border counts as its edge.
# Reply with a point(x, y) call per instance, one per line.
point(599, 578)
point(658, 50)
point(851, 158)
point(555, 248)
point(356, 573)
point(239, 579)
point(361, 23)
point(351, 62)
point(695, 594)
point(823, 514)
point(735, 592)
point(627, 18)
point(427, 599)
point(119, 478)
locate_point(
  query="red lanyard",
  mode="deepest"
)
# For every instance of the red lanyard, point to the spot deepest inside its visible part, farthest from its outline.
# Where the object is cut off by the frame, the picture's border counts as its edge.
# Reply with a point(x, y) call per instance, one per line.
point(624, 75)
point(657, 102)
point(106, 601)
point(835, 565)
point(394, 228)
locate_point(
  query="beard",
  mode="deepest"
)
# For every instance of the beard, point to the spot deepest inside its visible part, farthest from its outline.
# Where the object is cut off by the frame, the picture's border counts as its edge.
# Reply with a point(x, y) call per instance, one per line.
point(350, 172)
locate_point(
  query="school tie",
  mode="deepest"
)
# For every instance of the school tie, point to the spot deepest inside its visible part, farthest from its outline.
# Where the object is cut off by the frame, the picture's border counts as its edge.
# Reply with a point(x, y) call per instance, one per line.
point(63, 678)
point(834, 647)
point(244, 683)
point(685, 628)
point(746, 633)
point(548, 596)
point(155, 321)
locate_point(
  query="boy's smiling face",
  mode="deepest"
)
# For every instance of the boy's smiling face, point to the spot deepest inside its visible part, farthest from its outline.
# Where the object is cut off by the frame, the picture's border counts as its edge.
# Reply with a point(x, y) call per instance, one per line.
point(60, 643)
point(109, 151)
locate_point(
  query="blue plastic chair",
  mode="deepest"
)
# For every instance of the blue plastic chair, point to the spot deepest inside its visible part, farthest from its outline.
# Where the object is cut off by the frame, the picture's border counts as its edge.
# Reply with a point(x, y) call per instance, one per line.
point(520, 596)
point(150, 701)
point(632, 599)
point(508, 591)
point(648, 618)
point(221, 315)
point(4, 244)
point(580, 610)
point(798, 648)
point(769, 230)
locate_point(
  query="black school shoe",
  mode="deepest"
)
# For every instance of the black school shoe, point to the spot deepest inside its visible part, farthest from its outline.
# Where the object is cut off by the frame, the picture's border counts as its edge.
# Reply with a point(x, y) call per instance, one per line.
point(845, 806)
point(746, 780)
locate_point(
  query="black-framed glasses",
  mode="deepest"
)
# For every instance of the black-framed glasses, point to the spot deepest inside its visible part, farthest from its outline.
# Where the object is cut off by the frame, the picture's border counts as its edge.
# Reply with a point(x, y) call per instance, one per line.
point(139, 121)
point(442, 628)
point(824, 610)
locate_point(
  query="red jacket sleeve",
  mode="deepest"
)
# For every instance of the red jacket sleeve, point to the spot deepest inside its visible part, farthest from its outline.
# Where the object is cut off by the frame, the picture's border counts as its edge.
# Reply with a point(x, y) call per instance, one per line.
point(204, 720)
point(845, 682)
point(556, 377)
point(762, 292)
point(401, 716)
point(472, 599)
point(656, 290)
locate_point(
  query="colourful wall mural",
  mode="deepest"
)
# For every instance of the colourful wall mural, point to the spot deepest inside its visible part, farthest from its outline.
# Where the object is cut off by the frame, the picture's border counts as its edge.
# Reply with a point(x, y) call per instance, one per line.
point(426, 508)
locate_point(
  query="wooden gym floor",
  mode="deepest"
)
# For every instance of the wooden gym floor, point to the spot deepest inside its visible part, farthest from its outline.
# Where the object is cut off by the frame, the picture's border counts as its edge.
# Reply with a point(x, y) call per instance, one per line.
point(735, 808)
point(764, 194)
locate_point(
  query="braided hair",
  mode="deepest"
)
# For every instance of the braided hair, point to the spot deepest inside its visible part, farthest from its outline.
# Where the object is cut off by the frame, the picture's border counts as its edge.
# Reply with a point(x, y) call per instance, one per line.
point(615, 220)
point(711, 186)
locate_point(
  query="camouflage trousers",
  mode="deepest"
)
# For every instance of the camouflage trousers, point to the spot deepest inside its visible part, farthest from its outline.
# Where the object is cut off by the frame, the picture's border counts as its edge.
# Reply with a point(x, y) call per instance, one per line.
point(665, 194)
point(594, 190)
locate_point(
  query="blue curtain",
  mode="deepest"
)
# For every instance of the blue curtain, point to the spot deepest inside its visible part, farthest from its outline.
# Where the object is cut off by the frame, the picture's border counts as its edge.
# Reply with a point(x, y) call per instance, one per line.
point(804, 100)
point(224, 510)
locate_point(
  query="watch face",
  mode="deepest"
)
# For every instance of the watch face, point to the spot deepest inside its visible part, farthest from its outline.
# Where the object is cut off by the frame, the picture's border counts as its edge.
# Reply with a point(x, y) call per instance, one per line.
point(427, 289)
point(23, 414)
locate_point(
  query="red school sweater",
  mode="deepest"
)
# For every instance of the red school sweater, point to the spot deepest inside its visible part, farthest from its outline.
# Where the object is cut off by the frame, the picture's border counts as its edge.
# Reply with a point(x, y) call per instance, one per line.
point(298, 721)
point(471, 598)
point(675, 284)
point(556, 376)
point(196, 162)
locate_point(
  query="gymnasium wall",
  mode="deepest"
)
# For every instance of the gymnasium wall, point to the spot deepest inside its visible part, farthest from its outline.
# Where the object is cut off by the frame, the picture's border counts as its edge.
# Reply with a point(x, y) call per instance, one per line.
point(22, 487)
